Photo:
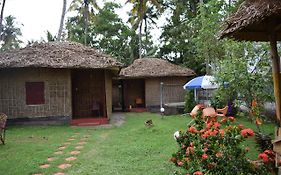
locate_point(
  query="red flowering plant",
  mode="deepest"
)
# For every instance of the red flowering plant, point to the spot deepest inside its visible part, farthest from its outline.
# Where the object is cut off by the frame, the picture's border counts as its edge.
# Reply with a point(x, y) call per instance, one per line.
point(214, 147)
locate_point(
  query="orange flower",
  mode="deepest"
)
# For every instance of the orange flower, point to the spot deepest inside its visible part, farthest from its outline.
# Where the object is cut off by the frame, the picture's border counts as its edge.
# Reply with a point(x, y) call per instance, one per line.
point(223, 120)
point(247, 132)
point(217, 124)
point(180, 163)
point(198, 173)
point(231, 119)
point(258, 121)
point(222, 132)
point(219, 154)
point(204, 156)
point(240, 126)
point(264, 157)
point(192, 129)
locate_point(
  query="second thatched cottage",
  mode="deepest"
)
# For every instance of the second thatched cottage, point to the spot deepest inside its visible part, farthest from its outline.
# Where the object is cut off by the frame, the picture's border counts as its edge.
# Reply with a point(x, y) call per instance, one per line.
point(139, 84)
point(56, 82)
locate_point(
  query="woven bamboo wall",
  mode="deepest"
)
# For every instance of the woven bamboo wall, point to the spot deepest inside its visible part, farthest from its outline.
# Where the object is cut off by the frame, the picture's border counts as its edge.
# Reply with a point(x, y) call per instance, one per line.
point(108, 92)
point(152, 90)
point(57, 92)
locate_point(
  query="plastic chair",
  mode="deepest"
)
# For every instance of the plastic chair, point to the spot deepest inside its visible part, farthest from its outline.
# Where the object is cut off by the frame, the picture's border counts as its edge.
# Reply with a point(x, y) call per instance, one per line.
point(222, 112)
point(3, 120)
point(96, 107)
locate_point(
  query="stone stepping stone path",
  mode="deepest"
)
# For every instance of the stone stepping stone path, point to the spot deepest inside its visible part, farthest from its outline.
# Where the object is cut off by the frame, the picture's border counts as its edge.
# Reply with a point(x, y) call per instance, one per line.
point(64, 166)
point(81, 143)
point(45, 166)
point(71, 158)
point(59, 173)
point(79, 147)
point(75, 152)
point(60, 154)
point(62, 147)
point(50, 159)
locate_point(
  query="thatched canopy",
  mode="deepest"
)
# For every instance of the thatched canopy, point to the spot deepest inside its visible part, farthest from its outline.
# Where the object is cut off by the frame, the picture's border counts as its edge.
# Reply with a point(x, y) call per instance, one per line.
point(254, 21)
point(154, 67)
point(57, 55)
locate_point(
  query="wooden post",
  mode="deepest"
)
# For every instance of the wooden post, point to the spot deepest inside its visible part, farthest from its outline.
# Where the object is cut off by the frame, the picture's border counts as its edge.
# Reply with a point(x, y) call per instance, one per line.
point(276, 75)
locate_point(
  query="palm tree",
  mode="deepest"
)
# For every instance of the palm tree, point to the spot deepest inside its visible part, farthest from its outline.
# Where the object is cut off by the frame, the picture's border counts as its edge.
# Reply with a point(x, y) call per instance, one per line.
point(10, 34)
point(86, 8)
point(1, 17)
point(62, 20)
point(139, 14)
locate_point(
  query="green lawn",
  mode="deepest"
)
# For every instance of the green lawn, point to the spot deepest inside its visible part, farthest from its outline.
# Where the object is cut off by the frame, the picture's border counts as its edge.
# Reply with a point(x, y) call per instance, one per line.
point(130, 149)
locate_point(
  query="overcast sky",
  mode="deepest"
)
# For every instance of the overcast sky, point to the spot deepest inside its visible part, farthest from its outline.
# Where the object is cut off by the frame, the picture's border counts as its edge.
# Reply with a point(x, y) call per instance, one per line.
point(38, 16)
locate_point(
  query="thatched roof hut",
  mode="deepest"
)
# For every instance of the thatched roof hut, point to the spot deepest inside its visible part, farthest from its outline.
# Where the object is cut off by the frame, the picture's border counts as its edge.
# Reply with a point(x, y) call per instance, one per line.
point(254, 20)
point(57, 55)
point(154, 67)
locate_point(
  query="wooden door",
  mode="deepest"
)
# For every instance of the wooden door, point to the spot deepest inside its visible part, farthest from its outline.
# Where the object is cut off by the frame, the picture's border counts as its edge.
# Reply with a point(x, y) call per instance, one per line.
point(88, 88)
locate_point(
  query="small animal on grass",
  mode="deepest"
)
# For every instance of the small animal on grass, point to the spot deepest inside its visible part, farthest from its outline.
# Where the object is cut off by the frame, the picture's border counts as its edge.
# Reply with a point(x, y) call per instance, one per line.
point(148, 122)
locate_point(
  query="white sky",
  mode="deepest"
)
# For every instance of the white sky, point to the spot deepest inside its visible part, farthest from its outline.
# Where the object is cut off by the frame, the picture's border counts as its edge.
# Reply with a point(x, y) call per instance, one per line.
point(38, 16)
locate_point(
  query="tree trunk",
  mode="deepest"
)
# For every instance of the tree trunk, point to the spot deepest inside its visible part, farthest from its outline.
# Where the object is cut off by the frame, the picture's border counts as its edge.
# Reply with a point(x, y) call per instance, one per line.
point(1, 18)
point(276, 75)
point(86, 18)
point(62, 20)
point(140, 40)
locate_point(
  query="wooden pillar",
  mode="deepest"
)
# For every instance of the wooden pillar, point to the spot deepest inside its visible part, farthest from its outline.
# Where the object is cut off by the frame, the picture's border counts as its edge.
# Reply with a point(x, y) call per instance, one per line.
point(276, 75)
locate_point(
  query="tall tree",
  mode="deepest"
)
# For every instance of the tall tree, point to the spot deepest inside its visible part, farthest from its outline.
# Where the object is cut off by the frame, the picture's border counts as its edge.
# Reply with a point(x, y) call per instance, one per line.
point(141, 11)
point(10, 34)
point(86, 9)
point(1, 16)
point(62, 20)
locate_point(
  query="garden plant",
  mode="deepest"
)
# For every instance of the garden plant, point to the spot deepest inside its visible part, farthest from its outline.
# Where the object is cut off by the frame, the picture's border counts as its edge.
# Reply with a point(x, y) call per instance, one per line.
point(215, 146)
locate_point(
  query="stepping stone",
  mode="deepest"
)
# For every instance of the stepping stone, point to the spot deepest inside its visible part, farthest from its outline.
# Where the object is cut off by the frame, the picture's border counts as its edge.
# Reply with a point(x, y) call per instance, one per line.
point(71, 139)
point(74, 152)
point(86, 136)
point(58, 152)
point(72, 136)
point(81, 143)
point(62, 148)
point(64, 166)
point(59, 173)
point(66, 143)
point(45, 166)
point(76, 133)
point(83, 139)
point(37, 174)
point(70, 158)
point(79, 147)
point(50, 159)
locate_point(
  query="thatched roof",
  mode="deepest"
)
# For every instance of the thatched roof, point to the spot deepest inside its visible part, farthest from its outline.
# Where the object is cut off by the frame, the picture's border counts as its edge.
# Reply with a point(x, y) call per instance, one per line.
point(253, 21)
point(154, 67)
point(57, 55)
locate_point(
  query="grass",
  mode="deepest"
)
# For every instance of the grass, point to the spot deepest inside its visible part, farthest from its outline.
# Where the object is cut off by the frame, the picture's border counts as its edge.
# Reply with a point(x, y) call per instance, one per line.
point(132, 148)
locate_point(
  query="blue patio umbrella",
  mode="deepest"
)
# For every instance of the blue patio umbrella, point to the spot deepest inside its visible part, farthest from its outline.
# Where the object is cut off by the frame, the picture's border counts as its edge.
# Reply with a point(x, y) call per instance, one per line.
point(201, 82)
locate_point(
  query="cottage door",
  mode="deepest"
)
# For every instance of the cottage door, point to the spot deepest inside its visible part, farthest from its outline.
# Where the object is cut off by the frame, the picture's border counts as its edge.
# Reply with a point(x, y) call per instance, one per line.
point(88, 93)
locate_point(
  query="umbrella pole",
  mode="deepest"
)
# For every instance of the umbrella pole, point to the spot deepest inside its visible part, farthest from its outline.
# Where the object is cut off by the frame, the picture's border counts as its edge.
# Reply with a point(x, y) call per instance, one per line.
point(276, 75)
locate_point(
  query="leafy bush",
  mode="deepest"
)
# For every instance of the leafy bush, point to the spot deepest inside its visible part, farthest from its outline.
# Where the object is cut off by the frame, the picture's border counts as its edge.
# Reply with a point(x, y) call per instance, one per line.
point(189, 101)
point(214, 147)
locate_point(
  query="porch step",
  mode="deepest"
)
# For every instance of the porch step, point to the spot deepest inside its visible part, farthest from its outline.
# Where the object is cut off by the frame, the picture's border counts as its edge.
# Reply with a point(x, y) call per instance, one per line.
point(138, 110)
point(89, 121)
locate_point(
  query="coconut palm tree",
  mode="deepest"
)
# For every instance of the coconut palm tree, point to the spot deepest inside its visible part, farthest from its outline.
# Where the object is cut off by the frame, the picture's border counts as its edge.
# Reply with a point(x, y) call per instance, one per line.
point(62, 20)
point(139, 13)
point(87, 9)
point(1, 17)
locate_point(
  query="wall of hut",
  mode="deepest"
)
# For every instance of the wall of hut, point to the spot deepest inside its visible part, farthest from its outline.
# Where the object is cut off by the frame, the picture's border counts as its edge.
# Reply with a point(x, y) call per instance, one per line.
point(172, 91)
point(57, 92)
point(108, 92)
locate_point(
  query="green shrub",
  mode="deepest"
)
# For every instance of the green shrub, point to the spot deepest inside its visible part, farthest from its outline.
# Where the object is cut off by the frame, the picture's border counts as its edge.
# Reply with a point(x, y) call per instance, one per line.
point(189, 101)
point(214, 147)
